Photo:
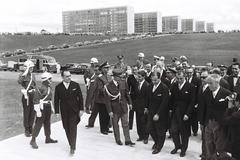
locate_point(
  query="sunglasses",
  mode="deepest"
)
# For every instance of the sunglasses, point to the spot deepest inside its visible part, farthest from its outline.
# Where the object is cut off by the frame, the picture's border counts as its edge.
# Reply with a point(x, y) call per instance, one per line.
point(203, 77)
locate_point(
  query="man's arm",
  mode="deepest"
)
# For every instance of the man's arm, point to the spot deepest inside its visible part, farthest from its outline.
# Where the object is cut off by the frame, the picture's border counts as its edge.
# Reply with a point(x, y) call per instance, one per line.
point(56, 100)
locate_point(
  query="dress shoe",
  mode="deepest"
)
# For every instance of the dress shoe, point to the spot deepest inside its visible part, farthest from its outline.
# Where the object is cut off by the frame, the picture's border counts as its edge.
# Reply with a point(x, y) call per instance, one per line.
point(182, 154)
point(155, 151)
point(110, 131)
point(27, 133)
point(33, 144)
point(174, 151)
point(72, 151)
point(50, 140)
point(105, 132)
point(129, 143)
point(139, 139)
point(145, 141)
point(119, 143)
point(154, 146)
point(89, 126)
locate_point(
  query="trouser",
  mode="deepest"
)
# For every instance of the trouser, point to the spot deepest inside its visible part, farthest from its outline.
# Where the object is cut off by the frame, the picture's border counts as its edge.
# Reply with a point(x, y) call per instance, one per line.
point(141, 121)
point(194, 121)
point(93, 116)
point(157, 132)
point(180, 133)
point(28, 113)
point(131, 115)
point(203, 143)
point(45, 120)
point(125, 127)
point(70, 122)
point(214, 138)
point(103, 117)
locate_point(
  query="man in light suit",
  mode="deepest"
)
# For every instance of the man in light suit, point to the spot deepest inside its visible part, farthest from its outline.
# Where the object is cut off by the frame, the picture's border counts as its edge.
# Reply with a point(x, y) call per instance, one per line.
point(215, 104)
point(68, 97)
point(117, 105)
point(158, 111)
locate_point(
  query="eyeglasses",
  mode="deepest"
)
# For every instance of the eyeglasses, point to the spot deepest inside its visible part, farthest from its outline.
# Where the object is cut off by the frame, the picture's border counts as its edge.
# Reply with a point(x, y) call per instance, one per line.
point(203, 77)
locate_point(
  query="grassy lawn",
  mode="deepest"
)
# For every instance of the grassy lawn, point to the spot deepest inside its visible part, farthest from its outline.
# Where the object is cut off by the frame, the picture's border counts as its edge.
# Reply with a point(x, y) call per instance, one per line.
point(200, 48)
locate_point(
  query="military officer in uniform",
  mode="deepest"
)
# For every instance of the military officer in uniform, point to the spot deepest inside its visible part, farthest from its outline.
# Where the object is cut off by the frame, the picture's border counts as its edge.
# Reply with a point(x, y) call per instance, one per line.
point(43, 108)
point(117, 104)
point(27, 81)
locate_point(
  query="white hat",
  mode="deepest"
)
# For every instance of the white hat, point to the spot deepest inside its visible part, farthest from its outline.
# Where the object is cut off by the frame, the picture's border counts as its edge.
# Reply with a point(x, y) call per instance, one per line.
point(157, 57)
point(94, 60)
point(28, 64)
point(162, 58)
point(141, 55)
point(45, 76)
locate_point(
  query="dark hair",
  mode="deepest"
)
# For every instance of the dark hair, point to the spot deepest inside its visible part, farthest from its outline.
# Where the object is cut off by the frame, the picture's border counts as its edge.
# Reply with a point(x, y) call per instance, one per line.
point(142, 73)
point(62, 72)
point(156, 74)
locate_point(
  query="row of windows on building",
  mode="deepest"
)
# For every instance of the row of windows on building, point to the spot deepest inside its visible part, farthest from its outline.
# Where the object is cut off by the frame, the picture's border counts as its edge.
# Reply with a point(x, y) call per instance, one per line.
point(122, 20)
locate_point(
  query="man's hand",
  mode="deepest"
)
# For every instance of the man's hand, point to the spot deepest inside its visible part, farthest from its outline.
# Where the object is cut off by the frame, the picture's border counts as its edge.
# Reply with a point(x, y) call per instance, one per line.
point(185, 117)
point(145, 111)
point(130, 107)
point(81, 113)
point(111, 114)
point(156, 117)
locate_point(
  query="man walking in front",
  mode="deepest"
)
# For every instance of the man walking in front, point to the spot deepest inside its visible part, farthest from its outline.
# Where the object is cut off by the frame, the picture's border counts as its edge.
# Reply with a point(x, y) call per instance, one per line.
point(68, 97)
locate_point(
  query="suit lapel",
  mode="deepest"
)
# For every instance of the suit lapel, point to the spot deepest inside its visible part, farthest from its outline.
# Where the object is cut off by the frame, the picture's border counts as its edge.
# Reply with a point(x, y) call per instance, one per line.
point(218, 94)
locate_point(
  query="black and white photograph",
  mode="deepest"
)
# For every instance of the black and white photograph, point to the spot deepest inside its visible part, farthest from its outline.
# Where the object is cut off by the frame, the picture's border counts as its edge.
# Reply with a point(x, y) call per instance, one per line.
point(129, 79)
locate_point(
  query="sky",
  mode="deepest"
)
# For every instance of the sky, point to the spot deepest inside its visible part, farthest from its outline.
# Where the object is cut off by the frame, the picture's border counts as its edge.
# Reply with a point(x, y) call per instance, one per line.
point(34, 15)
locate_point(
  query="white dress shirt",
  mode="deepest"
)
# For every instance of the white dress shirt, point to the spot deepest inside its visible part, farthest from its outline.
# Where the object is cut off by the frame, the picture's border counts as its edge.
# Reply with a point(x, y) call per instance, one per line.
point(155, 87)
point(140, 85)
point(66, 85)
point(181, 86)
point(215, 92)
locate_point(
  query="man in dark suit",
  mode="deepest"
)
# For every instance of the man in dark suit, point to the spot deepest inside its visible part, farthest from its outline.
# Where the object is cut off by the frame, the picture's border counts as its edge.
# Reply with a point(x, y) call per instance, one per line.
point(196, 83)
point(182, 102)
point(97, 94)
point(118, 100)
point(158, 111)
point(89, 104)
point(148, 68)
point(203, 89)
point(133, 89)
point(68, 97)
point(215, 103)
point(140, 102)
point(234, 79)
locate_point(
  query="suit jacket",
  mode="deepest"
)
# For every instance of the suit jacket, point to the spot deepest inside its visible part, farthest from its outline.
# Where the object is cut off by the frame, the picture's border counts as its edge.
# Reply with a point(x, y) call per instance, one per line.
point(158, 102)
point(133, 86)
point(148, 78)
point(196, 83)
point(233, 88)
point(232, 122)
point(68, 100)
point(182, 101)
point(141, 100)
point(201, 110)
point(118, 105)
point(97, 92)
point(216, 107)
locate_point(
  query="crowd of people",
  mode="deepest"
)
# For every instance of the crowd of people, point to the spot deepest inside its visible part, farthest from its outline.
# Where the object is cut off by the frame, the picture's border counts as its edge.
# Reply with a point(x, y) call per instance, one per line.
point(178, 98)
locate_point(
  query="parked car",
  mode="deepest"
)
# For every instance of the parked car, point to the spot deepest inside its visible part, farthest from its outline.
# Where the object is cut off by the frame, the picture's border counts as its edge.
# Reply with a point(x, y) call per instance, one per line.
point(69, 66)
point(19, 52)
point(52, 47)
point(80, 69)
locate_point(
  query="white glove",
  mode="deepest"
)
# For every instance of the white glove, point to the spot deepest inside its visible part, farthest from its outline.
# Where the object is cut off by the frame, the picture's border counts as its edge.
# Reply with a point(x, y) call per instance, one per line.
point(156, 117)
point(185, 118)
point(37, 110)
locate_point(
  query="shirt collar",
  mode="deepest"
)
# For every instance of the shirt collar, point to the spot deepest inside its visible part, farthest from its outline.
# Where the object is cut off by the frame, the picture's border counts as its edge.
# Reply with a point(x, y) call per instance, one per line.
point(216, 91)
